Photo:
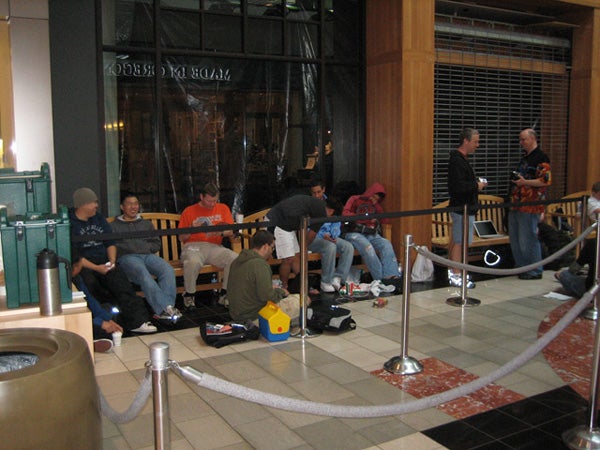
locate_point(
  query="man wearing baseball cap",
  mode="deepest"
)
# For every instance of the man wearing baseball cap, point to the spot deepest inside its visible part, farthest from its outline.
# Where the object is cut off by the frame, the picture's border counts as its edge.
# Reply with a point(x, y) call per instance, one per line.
point(106, 281)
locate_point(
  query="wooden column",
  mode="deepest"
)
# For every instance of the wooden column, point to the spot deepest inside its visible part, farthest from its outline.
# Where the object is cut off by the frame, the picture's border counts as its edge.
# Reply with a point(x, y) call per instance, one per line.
point(583, 157)
point(399, 109)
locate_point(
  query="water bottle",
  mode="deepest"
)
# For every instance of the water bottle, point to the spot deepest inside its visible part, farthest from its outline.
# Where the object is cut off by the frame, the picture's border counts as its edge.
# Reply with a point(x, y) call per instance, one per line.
point(214, 280)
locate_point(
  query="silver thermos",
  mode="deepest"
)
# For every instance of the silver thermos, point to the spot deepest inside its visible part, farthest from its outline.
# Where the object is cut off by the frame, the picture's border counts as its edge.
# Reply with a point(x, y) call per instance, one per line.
point(49, 282)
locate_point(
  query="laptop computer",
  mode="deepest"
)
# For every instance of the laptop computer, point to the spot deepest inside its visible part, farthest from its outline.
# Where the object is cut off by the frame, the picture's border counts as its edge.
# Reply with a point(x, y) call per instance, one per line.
point(486, 229)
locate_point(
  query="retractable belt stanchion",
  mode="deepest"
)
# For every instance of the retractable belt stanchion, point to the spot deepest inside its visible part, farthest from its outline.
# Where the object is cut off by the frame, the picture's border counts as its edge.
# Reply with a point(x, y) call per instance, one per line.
point(159, 364)
point(305, 331)
point(464, 300)
point(592, 312)
point(404, 364)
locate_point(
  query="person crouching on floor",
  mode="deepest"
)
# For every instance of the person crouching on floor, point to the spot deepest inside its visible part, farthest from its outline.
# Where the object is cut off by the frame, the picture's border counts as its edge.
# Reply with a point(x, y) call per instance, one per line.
point(252, 284)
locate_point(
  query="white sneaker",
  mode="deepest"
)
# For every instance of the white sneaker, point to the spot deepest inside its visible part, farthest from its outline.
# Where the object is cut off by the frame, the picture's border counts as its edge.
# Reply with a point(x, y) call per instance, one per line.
point(456, 280)
point(327, 287)
point(170, 313)
point(146, 327)
point(387, 287)
point(336, 283)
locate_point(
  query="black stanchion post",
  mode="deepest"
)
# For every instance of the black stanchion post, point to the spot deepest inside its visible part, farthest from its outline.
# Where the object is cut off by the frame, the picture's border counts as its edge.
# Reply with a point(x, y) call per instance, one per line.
point(305, 331)
point(464, 300)
point(404, 364)
point(159, 364)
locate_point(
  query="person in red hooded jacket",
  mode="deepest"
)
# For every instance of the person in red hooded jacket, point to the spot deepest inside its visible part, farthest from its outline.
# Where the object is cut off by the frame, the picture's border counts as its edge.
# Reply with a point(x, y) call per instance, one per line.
point(377, 252)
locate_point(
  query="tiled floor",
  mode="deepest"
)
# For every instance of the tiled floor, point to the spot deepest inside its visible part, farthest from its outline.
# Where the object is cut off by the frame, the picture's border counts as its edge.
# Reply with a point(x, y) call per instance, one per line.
point(528, 408)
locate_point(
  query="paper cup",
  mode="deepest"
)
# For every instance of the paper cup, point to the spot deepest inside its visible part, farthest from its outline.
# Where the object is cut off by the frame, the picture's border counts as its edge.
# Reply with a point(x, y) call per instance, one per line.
point(116, 336)
point(239, 218)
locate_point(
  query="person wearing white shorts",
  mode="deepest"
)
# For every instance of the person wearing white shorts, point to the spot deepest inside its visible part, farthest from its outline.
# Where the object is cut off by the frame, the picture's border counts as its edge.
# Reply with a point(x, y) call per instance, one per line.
point(286, 216)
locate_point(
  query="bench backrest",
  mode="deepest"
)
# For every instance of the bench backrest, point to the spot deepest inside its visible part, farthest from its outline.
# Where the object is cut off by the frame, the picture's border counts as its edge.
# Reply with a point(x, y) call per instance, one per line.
point(246, 233)
point(441, 222)
point(569, 211)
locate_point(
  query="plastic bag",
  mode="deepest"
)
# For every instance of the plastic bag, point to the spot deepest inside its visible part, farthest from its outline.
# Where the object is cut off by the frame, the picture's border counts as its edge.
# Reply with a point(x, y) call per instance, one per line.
point(422, 270)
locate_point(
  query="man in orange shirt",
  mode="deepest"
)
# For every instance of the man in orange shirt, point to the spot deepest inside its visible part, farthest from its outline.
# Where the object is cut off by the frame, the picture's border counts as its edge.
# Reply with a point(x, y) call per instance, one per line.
point(204, 248)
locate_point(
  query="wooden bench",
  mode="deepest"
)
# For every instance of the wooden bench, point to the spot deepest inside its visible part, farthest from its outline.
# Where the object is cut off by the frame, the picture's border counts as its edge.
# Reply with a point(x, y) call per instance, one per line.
point(574, 214)
point(259, 217)
point(170, 249)
point(441, 224)
point(569, 211)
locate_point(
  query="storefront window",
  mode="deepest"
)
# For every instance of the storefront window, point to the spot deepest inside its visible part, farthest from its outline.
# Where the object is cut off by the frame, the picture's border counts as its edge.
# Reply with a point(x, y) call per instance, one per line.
point(247, 121)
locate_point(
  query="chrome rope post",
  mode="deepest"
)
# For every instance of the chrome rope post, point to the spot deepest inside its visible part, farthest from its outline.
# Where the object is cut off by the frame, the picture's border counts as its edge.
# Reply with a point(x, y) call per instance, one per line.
point(159, 364)
point(404, 364)
point(304, 331)
point(464, 300)
point(592, 312)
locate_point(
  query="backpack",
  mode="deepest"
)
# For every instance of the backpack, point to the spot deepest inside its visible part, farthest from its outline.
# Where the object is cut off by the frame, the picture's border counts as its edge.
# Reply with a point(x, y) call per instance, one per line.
point(324, 316)
point(553, 240)
point(221, 334)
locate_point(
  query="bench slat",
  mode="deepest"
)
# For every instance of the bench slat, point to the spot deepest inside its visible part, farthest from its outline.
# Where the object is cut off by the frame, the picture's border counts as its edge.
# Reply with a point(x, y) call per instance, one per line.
point(441, 224)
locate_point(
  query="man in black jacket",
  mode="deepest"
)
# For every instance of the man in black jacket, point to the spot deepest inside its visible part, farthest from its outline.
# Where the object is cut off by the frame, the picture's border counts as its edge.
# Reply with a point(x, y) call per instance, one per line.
point(463, 188)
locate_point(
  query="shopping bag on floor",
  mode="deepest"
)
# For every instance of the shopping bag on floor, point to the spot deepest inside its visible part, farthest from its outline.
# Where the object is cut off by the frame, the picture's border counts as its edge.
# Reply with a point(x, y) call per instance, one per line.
point(422, 270)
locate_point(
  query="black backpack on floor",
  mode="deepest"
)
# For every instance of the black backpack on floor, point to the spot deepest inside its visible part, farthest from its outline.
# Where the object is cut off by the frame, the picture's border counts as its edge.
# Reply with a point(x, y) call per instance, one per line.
point(326, 316)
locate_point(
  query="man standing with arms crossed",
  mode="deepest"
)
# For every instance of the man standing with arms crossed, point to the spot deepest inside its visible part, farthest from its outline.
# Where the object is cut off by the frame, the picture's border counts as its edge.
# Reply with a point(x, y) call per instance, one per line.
point(204, 248)
point(463, 188)
point(529, 184)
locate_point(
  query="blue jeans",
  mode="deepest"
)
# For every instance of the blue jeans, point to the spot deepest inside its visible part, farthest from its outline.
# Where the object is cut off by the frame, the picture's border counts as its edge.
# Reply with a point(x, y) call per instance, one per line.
point(328, 251)
point(573, 284)
point(140, 269)
point(524, 242)
point(377, 253)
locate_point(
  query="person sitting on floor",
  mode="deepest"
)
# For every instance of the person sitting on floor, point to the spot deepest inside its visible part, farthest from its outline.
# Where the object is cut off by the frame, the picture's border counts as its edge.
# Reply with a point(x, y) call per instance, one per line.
point(570, 279)
point(253, 285)
point(103, 323)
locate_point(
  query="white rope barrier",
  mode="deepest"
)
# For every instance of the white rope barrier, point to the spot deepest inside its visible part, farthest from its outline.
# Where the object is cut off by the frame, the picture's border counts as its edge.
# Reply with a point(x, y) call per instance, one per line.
point(324, 409)
point(423, 250)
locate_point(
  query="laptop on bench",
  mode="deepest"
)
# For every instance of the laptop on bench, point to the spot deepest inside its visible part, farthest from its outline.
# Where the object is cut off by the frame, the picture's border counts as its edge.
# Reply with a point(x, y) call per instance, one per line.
point(486, 229)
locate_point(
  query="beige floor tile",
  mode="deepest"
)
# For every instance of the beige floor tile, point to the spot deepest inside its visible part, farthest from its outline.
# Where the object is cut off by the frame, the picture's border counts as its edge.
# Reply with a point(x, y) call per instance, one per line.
point(532, 387)
point(321, 389)
point(107, 366)
point(415, 441)
point(270, 433)
point(361, 357)
point(209, 432)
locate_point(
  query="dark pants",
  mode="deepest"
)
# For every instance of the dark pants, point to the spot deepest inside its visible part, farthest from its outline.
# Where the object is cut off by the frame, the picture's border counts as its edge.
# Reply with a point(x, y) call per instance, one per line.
point(115, 288)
